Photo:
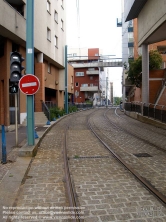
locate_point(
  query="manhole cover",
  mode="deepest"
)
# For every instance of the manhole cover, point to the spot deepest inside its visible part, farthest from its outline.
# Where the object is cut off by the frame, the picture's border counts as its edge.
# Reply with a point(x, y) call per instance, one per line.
point(142, 155)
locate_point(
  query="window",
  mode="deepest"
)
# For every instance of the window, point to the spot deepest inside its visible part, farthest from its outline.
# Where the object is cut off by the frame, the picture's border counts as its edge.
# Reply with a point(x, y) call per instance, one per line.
point(131, 52)
point(79, 74)
point(130, 37)
point(56, 16)
point(62, 24)
point(49, 68)
point(48, 34)
point(130, 23)
point(161, 49)
point(76, 84)
point(91, 77)
point(74, 54)
point(56, 41)
point(91, 69)
point(2, 49)
point(48, 7)
point(84, 85)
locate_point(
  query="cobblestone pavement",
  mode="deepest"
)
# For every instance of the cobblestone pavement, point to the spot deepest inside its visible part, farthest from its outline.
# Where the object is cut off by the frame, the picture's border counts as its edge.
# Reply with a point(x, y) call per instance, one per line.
point(153, 167)
point(106, 190)
point(43, 190)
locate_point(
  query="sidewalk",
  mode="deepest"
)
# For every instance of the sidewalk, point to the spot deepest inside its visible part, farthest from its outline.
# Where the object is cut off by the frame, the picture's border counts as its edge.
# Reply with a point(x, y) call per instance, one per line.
point(13, 172)
point(11, 138)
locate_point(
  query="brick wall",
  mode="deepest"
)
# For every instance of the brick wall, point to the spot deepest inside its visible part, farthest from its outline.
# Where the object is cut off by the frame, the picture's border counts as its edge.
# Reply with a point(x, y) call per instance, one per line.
point(40, 95)
point(83, 80)
point(4, 84)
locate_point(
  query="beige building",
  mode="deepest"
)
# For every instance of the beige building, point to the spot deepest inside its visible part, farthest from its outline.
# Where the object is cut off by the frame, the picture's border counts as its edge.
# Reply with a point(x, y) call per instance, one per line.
point(49, 45)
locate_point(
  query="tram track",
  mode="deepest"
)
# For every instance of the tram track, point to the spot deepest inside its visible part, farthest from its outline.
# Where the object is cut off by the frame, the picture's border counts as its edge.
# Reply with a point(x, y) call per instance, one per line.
point(75, 172)
point(70, 188)
point(142, 180)
point(131, 133)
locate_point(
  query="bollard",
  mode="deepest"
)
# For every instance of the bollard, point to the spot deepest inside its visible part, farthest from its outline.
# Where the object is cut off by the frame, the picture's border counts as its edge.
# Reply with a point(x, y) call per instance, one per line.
point(48, 123)
point(36, 136)
point(3, 146)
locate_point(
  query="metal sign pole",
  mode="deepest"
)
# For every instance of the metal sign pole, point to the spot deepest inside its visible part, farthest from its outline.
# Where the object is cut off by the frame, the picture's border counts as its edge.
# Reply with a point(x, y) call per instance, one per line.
point(4, 156)
point(66, 81)
point(16, 120)
point(30, 69)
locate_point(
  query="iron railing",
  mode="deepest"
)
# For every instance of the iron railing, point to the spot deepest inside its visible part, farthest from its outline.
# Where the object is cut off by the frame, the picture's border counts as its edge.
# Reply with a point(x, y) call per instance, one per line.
point(50, 104)
point(149, 110)
point(46, 110)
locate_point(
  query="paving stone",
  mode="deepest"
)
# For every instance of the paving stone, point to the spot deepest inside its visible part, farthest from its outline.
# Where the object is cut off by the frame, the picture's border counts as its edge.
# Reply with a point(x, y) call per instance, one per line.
point(106, 190)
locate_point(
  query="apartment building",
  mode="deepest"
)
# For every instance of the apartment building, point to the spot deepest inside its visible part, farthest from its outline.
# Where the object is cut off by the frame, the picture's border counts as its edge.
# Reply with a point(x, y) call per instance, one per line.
point(87, 74)
point(148, 35)
point(49, 44)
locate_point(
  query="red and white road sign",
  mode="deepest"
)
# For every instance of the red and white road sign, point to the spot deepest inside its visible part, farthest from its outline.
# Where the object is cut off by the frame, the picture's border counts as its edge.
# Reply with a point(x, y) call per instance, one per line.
point(29, 84)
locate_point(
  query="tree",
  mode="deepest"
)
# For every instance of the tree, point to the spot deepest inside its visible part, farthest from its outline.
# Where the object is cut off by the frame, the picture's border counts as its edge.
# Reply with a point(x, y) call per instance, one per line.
point(134, 74)
point(117, 100)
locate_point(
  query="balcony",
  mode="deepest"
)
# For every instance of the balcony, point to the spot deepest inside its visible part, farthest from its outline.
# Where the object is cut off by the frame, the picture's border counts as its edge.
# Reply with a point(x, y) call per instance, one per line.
point(89, 88)
point(119, 22)
point(92, 72)
point(133, 8)
point(17, 5)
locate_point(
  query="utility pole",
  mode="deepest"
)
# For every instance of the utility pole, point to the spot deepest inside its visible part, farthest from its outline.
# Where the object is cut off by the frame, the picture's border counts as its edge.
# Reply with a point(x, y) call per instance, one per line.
point(66, 81)
point(106, 92)
point(30, 69)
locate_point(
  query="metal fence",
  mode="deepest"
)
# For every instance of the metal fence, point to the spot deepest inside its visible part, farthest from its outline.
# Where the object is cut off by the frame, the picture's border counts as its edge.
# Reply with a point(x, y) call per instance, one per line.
point(50, 104)
point(83, 105)
point(153, 111)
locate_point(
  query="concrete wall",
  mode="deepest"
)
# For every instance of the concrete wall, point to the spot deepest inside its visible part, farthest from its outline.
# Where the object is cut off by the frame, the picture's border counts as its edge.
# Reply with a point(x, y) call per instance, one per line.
point(70, 79)
point(150, 18)
point(13, 21)
point(16, 23)
point(44, 19)
point(144, 119)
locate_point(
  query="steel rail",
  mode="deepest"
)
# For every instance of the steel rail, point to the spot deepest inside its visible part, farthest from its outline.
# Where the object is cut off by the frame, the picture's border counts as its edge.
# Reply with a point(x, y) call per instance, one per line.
point(142, 180)
point(73, 203)
point(132, 134)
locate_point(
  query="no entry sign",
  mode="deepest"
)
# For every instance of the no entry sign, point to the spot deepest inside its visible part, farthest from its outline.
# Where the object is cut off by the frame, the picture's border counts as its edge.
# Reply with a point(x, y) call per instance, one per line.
point(29, 84)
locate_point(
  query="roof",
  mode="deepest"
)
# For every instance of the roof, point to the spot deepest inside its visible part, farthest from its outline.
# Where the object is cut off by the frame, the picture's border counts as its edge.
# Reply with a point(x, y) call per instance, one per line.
point(135, 9)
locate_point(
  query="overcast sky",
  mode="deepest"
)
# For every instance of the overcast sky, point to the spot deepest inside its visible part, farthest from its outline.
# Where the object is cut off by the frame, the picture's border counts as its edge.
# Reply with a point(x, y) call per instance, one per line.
point(97, 28)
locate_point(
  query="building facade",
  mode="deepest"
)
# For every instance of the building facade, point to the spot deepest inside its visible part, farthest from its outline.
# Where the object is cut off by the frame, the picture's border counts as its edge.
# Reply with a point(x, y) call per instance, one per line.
point(49, 44)
point(148, 35)
point(87, 87)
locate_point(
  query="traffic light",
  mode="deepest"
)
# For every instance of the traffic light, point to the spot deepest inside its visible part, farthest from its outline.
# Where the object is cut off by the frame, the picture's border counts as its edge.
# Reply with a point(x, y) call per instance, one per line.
point(13, 88)
point(16, 67)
